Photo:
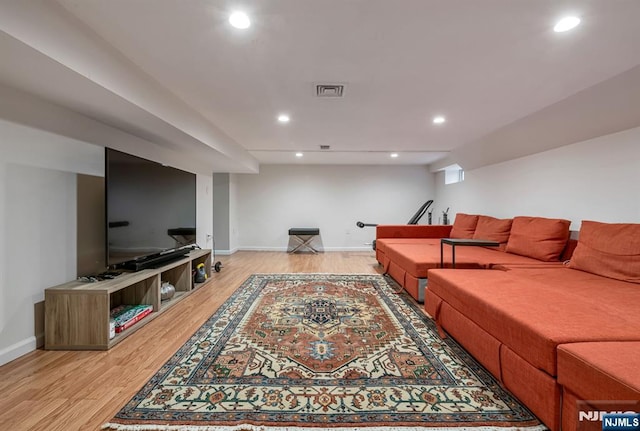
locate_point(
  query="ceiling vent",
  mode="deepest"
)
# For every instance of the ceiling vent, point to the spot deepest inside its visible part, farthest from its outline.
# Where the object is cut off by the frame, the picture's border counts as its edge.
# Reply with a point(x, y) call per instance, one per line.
point(329, 90)
point(325, 147)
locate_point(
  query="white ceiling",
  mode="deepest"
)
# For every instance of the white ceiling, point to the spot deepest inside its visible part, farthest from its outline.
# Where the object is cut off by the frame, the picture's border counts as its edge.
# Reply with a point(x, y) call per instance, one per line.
point(182, 70)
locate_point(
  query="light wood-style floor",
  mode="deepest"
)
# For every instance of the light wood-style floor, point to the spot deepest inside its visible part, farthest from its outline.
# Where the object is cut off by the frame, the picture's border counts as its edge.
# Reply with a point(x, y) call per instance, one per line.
point(68, 391)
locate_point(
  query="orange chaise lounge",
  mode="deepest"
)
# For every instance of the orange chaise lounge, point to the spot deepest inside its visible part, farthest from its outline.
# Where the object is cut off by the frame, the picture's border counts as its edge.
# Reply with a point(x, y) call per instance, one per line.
point(553, 335)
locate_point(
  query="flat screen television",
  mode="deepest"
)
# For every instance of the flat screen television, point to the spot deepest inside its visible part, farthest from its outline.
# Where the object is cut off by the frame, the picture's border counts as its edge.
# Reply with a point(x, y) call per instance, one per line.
point(150, 210)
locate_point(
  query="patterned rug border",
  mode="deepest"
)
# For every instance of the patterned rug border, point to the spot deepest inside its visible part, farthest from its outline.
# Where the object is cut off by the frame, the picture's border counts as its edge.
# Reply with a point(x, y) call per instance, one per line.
point(393, 288)
point(119, 427)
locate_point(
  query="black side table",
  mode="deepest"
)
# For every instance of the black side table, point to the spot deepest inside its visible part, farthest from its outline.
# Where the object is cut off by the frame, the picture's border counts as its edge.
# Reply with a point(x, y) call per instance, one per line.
point(456, 242)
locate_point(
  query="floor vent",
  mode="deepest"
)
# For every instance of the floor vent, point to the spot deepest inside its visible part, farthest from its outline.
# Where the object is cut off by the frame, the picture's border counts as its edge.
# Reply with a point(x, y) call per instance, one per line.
point(325, 147)
point(329, 90)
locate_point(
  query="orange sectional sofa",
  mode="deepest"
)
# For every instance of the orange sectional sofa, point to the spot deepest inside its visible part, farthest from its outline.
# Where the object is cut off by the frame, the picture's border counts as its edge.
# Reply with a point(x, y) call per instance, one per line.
point(409, 252)
point(552, 334)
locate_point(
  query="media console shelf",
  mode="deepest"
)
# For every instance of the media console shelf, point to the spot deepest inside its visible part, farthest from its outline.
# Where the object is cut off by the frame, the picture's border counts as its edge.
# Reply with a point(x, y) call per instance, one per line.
point(77, 313)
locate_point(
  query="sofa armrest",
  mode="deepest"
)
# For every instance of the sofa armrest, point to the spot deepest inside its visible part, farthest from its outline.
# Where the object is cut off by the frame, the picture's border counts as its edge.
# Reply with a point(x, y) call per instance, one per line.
point(413, 231)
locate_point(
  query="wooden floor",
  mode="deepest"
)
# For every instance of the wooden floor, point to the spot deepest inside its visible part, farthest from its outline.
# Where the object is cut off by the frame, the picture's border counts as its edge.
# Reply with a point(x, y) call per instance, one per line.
point(68, 391)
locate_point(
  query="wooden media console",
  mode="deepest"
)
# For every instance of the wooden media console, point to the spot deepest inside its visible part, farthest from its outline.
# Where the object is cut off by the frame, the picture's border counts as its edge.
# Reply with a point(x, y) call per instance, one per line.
point(77, 313)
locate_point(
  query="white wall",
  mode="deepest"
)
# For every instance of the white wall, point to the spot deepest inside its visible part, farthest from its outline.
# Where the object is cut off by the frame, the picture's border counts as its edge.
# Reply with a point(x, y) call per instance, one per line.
point(204, 210)
point(598, 179)
point(221, 212)
point(38, 225)
point(234, 213)
point(331, 198)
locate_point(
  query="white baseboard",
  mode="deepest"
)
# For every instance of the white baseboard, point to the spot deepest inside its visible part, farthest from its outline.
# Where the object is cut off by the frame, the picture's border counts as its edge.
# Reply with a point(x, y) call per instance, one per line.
point(260, 248)
point(226, 252)
point(18, 349)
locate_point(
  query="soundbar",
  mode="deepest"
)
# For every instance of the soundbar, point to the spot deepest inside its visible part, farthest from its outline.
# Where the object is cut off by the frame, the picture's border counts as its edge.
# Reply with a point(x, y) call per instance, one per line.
point(153, 261)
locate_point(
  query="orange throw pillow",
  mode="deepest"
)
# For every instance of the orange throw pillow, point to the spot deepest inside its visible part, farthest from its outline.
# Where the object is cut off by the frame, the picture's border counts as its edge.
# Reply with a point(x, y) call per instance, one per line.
point(538, 237)
point(609, 249)
point(493, 229)
point(464, 226)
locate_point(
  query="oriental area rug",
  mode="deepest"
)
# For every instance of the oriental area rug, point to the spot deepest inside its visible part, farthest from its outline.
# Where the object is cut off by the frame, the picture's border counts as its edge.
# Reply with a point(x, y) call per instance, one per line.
point(318, 352)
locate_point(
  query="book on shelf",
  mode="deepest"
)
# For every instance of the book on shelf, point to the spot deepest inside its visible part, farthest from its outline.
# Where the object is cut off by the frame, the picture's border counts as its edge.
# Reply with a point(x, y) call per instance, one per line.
point(125, 316)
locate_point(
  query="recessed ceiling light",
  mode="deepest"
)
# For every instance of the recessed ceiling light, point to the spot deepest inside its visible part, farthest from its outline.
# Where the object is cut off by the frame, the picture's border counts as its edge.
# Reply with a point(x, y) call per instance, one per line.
point(283, 118)
point(393, 155)
point(299, 154)
point(239, 20)
point(438, 119)
point(566, 24)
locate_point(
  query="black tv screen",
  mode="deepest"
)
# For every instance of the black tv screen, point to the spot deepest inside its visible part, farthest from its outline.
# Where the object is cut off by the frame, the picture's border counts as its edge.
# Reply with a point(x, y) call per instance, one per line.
point(151, 208)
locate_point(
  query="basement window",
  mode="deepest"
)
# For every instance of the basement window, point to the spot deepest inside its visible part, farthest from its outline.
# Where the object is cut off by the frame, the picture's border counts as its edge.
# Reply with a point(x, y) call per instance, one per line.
point(453, 174)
